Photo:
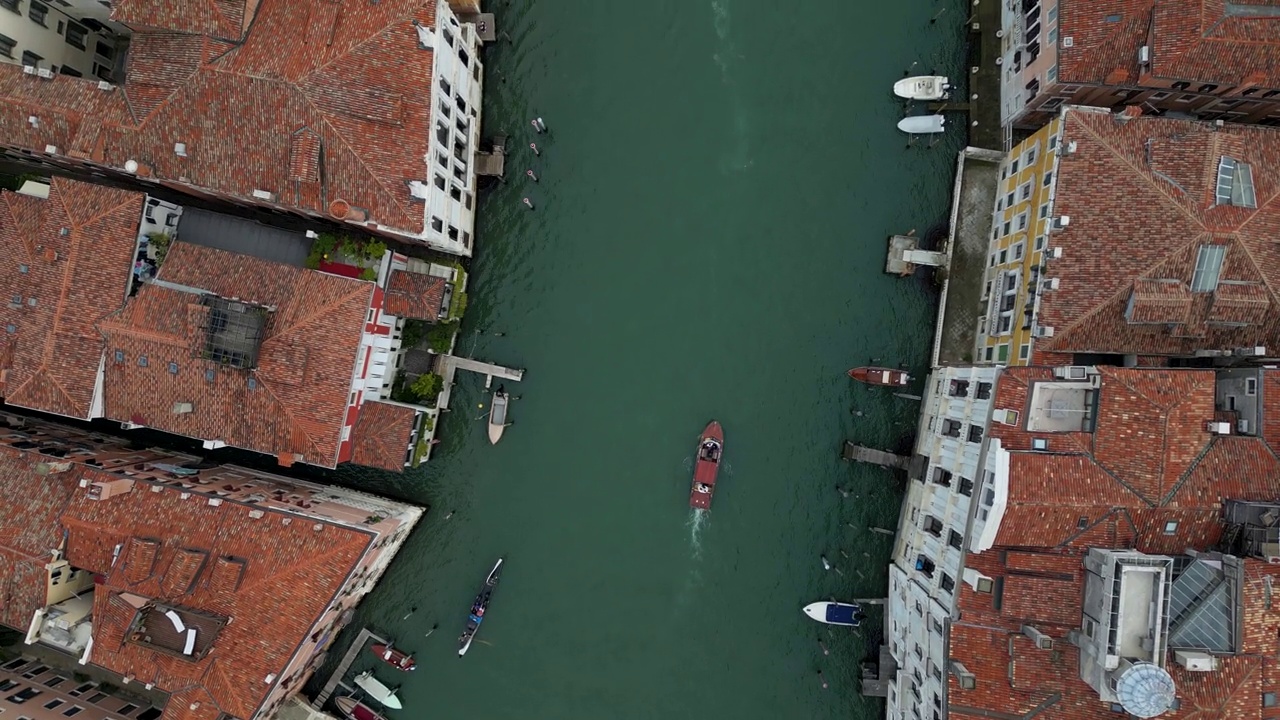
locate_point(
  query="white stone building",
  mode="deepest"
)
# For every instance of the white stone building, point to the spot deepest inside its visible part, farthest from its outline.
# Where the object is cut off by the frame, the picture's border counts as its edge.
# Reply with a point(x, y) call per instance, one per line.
point(71, 37)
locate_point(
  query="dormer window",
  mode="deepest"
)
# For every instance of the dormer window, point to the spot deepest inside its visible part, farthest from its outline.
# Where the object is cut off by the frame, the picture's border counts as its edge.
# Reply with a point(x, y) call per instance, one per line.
point(1208, 267)
point(1235, 183)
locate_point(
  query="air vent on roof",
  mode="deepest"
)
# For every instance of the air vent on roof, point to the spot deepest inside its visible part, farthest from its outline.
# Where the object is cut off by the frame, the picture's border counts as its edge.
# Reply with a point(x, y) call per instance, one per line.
point(1072, 147)
point(1218, 428)
point(1044, 331)
point(45, 73)
point(1144, 54)
point(1257, 351)
point(419, 189)
point(1061, 222)
point(104, 85)
point(33, 121)
point(1052, 283)
point(64, 231)
point(265, 195)
point(1070, 372)
point(51, 149)
point(1068, 41)
point(29, 69)
point(318, 527)
point(1055, 253)
point(180, 149)
point(215, 502)
point(182, 408)
point(255, 514)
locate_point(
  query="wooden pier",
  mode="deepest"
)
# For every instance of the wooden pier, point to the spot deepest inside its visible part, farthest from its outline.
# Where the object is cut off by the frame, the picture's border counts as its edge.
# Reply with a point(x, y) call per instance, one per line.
point(859, 453)
point(336, 679)
point(449, 365)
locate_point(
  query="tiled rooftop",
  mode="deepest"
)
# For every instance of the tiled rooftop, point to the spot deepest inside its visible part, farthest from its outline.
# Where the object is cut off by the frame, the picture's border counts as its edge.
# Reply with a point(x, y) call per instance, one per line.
point(381, 435)
point(414, 295)
point(56, 286)
point(1127, 287)
point(1197, 41)
point(1149, 461)
point(294, 402)
point(340, 92)
point(27, 530)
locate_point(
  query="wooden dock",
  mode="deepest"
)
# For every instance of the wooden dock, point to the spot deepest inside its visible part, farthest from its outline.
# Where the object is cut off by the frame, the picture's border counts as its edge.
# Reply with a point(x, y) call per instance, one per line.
point(492, 162)
point(859, 453)
point(449, 365)
point(336, 679)
point(905, 256)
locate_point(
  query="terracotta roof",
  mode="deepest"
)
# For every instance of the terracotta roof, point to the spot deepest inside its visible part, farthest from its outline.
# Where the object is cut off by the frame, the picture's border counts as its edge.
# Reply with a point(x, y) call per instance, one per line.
point(56, 286)
point(381, 435)
point(340, 93)
point(1125, 285)
point(294, 401)
point(291, 573)
point(1150, 459)
point(414, 295)
point(1196, 41)
point(28, 532)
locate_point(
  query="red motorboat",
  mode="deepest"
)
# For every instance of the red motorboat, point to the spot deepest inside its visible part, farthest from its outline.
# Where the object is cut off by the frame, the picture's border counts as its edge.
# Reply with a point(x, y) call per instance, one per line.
point(395, 658)
point(705, 468)
point(356, 710)
point(880, 376)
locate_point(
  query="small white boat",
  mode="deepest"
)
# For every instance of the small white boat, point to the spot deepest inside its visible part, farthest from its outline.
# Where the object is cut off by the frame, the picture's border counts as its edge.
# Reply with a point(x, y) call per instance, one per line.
point(835, 613)
point(922, 124)
point(378, 691)
point(498, 415)
point(923, 87)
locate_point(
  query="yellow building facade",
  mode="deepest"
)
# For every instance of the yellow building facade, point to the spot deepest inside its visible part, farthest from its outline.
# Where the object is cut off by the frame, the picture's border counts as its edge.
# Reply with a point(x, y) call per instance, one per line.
point(1022, 214)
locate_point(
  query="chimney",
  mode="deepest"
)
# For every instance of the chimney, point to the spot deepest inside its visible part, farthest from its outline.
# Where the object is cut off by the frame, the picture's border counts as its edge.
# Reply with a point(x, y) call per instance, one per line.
point(343, 210)
point(1218, 428)
point(106, 489)
point(1128, 113)
point(287, 459)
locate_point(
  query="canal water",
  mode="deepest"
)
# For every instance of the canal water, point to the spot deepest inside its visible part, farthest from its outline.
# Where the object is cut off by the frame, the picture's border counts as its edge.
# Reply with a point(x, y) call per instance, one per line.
point(708, 240)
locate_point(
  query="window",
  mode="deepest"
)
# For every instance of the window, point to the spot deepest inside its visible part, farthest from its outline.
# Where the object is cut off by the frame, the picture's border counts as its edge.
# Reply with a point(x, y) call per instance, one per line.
point(966, 487)
point(1170, 527)
point(1017, 251)
point(959, 388)
point(1039, 242)
point(1013, 167)
point(948, 583)
point(1006, 228)
point(951, 428)
point(142, 361)
point(6, 45)
point(1268, 699)
point(37, 12)
point(31, 59)
point(20, 697)
point(1024, 351)
point(104, 50)
point(54, 681)
point(1021, 221)
point(1044, 210)
point(448, 37)
point(127, 709)
point(1024, 190)
point(975, 433)
point(955, 540)
point(1004, 256)
point(1250, 386)
point(73, 711)
point(37, 670)
point(76, 34)
point(1048, 180)
point(10, 5)
point(1039, 444)
point(942, 477)
point(1235, 183)
point(97, 697)
point(82, 689)
point(1030, 157)
point(53, 704)
point(1008, 200)
point(1207, 88)
point(444, 85)
point(440, 182)
point(1208, 268)
point(173, 368)
point(984, 390)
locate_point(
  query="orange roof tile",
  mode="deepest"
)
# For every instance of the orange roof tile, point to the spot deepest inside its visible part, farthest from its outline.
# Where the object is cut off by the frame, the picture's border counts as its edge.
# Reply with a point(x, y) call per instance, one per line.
point(1124, 286)
point(381, 435)
point(414, 295)
point(72, 256)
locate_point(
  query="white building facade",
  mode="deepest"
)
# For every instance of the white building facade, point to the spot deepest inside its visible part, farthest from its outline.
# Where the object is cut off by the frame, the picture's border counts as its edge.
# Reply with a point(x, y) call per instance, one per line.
point(71, 37)
point(449, 187)
point(933, 532)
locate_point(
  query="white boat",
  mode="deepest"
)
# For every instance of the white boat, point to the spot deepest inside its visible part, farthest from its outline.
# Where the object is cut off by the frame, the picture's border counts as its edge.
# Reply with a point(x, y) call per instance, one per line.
point(378, 691)
point(922, 124)
point(835, 613)
point(923, 87)
point(498, 415)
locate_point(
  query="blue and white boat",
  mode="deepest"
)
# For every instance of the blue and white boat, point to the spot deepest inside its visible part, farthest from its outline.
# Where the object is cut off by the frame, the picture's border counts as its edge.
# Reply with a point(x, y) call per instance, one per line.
point(835, 613)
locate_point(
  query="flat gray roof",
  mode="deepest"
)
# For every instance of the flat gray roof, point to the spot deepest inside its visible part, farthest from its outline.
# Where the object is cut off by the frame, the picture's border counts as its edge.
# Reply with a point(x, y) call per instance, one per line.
point(238, 235)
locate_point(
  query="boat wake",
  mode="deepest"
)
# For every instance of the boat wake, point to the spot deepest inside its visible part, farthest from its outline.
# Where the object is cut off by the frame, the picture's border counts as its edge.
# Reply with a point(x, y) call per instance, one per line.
point(697, 518)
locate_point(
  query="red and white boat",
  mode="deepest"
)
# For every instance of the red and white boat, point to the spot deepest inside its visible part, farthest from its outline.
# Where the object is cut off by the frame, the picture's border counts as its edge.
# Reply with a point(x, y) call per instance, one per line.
point(355, 710)
point(707, 466)
point(880, 376)
point(397, 659)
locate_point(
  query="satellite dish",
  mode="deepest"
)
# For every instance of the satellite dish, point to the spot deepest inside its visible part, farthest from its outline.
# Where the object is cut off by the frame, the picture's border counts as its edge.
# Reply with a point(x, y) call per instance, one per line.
point(1145, 690)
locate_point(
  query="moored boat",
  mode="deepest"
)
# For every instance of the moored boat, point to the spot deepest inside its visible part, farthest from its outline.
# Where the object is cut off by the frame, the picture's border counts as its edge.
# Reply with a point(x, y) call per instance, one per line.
point(880, 376)
point(498, 415)
point(397, 659)
point(383, 694)
point(922, 124)
point(835, 613)
point(478, 609)
point(355, 710)
point(707, 466)
point(923, 87)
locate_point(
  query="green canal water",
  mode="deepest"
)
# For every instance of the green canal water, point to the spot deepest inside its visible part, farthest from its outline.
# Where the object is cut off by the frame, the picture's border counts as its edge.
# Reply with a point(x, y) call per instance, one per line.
point(715, 193)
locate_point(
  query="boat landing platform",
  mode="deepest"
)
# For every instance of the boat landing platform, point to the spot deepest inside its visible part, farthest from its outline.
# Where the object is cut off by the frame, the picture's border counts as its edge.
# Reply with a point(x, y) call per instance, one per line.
point(905, 256)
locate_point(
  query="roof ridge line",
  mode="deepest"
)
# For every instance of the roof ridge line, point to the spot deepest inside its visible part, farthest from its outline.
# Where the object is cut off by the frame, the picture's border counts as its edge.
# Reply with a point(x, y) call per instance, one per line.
point(265, 384)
